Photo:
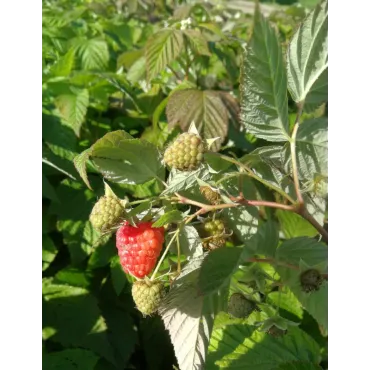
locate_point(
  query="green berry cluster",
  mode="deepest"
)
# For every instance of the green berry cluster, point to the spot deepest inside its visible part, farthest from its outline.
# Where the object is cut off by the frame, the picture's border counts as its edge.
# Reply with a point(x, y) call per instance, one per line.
point(148, 295)
point(214, 227)
point(212, 196)
point(241, 307)
point(107, 213)
point(311, 280)
point(185, 153)
point(215, 230)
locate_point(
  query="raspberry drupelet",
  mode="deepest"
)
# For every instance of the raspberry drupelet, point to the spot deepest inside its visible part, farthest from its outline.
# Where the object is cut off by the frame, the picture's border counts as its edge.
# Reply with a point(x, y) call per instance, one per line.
point(139, 247)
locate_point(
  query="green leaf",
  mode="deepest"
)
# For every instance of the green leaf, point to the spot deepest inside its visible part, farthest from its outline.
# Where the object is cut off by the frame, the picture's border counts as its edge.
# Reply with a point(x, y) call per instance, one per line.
point(308, 53)
point(267, 163)
point(94, 54)
point(266, 240)
point(293, 225)
point(180, 180)
point(122, 333)
point(240, 346)
point(197, 42)
point(73, 214)
point(311, 148)
point(73, 107)
point(119, 278)
point(80, 164)
point(48, 190)
point(70, 359)
point(298, 365)
point(169, 217)
point(73, 276)
point(102, 255)
point(217, 269)
point(316, 303)
point(161, 49)
point(137, 71)
point(309, 250)
point(120, 158)
point(190, 242)
point(286, 300)
point(74, 314)
point(205, 108)
point(188, 316)
point(49, 252)
point(64, 66)
point(263, 87)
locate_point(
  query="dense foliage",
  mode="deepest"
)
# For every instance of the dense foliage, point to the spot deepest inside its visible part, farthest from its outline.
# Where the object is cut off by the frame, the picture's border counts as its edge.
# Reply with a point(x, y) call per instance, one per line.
point(241, 281)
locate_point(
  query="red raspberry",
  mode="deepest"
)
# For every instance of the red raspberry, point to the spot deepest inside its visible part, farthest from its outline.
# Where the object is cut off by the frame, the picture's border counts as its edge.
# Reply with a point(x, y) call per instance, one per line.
point(139, 247)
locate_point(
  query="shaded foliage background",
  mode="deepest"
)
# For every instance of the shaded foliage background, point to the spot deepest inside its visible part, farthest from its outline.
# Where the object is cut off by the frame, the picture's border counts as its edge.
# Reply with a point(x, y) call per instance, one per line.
point(105, 68)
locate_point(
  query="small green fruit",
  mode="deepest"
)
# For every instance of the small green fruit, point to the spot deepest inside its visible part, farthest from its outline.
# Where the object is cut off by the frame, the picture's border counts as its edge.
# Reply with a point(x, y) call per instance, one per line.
point(311, 280)
point(107, 213)
point(185, 153)
point(147, 295)
point(241, 307)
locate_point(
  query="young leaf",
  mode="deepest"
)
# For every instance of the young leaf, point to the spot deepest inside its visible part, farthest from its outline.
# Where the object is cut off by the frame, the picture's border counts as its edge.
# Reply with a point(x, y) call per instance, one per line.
point(80, 164)
point(180, 181)
point(308, 54)
point(263, 87)
point(161, 49)
point(63, 67)
point(94, 54)
point(205, 108)
point(171, 216)
point(238, 346)
point(73, 107)
point(120, 158)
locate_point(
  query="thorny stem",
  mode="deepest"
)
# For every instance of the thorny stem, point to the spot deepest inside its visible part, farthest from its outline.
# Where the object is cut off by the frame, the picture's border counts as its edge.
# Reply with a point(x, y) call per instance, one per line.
point(164, 254)
point(175, 73)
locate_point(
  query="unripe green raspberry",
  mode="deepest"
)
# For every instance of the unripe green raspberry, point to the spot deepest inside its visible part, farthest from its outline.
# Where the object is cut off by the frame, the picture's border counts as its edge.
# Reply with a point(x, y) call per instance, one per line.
point(311, 280)
point(214, 243)
point(147, 295)
point(212, 196)
point(185, 153)
point(107, 213)
point(241, 307)
point(276, 332)
point(214, 227)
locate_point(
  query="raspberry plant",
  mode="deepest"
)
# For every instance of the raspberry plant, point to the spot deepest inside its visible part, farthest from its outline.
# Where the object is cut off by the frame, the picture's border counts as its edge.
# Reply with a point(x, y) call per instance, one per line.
point(201, 214)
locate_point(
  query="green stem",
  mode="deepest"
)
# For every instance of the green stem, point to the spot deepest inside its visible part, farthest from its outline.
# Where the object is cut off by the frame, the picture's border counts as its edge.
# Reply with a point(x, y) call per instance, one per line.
point(164, 255)
point(294, 155)
point(251, 174)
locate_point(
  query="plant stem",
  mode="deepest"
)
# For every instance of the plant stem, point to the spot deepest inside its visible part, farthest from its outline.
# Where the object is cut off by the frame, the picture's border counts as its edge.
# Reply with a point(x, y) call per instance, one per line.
point(308, 217)
point(175, 73)
point(164, 255)
point(294, 155)
point(251, 174)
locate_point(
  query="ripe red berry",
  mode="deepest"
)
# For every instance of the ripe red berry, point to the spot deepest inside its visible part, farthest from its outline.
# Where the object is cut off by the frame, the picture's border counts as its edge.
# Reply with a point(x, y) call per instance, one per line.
point(139, 247)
